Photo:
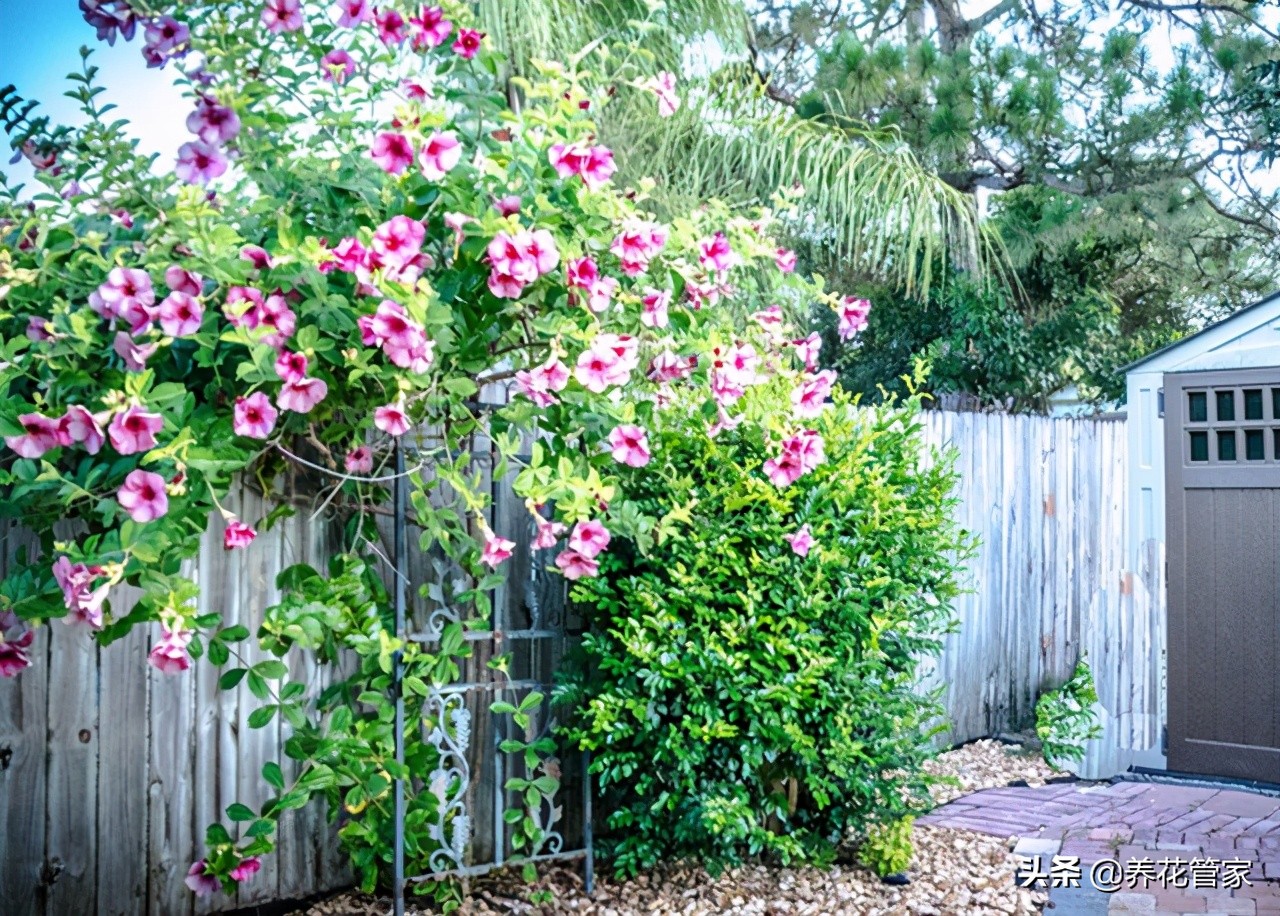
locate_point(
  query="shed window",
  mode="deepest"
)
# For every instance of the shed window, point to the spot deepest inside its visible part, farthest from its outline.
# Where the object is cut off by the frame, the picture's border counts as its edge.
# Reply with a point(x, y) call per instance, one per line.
point(1227, 445)
point(1198, 408)
point(1254, 445)
point(1226, 405)
point(1253, 403)
point(1200, 445)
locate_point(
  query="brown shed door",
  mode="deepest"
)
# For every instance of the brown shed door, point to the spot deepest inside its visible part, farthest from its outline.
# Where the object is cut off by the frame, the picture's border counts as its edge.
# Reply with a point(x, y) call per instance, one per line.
point(1222, 480)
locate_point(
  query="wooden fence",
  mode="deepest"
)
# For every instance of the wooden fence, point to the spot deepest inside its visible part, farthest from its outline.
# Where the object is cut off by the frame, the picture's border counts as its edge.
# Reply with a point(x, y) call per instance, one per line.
point(109, 771)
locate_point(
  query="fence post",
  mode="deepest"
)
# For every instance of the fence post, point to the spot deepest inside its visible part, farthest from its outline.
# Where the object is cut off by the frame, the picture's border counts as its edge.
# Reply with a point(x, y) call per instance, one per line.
point(397, 674)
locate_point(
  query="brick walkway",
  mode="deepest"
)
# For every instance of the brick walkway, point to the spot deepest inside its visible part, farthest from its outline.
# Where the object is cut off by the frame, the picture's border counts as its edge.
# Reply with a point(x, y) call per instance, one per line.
point(1128, 821)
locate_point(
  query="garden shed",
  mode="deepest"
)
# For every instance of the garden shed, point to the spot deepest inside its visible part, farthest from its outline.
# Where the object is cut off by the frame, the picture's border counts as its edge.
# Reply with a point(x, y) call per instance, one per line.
point(1204, 490)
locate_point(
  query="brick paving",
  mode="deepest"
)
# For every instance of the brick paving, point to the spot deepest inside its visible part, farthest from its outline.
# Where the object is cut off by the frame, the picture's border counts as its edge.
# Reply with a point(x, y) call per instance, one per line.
point(1128, 822)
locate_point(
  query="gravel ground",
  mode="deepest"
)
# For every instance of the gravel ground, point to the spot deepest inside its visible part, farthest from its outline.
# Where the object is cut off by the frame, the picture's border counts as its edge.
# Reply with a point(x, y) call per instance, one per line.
point(954, 873)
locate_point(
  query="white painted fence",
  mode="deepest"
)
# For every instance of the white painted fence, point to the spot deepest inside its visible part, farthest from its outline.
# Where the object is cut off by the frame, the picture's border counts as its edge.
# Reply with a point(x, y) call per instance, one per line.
point(109, 771)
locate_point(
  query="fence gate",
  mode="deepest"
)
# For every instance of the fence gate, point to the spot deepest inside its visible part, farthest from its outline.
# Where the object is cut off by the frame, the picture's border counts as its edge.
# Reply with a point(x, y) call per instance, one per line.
point(529, 623)
point(1222, 479)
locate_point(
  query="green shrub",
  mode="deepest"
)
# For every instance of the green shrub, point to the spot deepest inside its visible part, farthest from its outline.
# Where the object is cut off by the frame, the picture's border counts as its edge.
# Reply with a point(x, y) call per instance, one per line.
point(739, 699)
point(1067, 717)
point(887, 848)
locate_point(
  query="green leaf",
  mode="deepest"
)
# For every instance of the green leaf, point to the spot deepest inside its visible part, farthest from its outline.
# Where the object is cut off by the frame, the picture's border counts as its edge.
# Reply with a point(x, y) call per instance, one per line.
point(239, 812)
point(272, 774)
point(261, 716)
point(231, 678)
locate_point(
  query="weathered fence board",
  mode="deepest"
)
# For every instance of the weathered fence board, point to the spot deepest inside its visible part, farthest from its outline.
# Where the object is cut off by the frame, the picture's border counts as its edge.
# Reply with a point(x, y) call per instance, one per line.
point(109, 771)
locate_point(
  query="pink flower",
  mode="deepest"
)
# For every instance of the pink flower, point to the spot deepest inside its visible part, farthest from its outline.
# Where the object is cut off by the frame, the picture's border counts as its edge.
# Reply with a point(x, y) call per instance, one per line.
point(301, 396)
point(133, 430)
point(392, 152)
point(291, 367)
point(800, 541)
point(392, 419)
point(337, 66)
point(41, 434)
point(126, 294)
point(180, 314)
point(668, 367)
point(247, 868)
point(504, 286)
point(589, 538)
point(78, 425)
point(397, 241)
point(808, 397)
point(496, 550)
point(508, 206)
point(548, 534)
point(770, 319)
point(539, 382)
point(401, 338)
point(785, 259)
point(38, 329)
point(630, 445)
point(359, 460)
point(143, 497)
point(199, 162)
point(242, 306)
point(83, 601)
point(715, 254)
point(237, 535)
point(599, 368)
point(169, 655)
point(181, 280)
point(165, 37)
point(853, 316)
point(257, 256)
point(800, 454)
point(664, 87)
point(254, 416)
point(468, 43)
point(575, 566)
point(808, 350)
point(430, 29)
point(439, 154)
point(135, 355)
point(582, 273)
point(275, 318)
point(349, 255)
point(601, 294)
point(637, 244)
point(353, 13)
point(391, 27)
point(15, 640)
point(281, 16)
point(213, 123)
point(655, 303)
point(593, 164)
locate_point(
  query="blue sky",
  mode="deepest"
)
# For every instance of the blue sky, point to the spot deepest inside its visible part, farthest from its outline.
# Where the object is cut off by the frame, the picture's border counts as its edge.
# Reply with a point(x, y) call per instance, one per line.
point(40, 44)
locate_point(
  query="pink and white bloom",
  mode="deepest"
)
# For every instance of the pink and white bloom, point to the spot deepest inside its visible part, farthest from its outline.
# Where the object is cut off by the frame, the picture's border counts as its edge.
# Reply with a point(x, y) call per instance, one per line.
point(78, 425)
point(291, 367)
point(391, 27)
point(143, 496)
point(181, 280)
point(853, 316)
point(809, 397)
point(40, 434)
point(637, 244)
point(548, 534)
point(212, 122)
point(599, 367)
point(716, 254)
point(785, 259)
point(507, 206)
point(180, 314)
point(430, 28)
point(467, 43)
point(397, 242)
point(15, 639)
point(770, 319)
point(575, 566)
point(393, 152)
point(359, 460)
point(83, 601)
point(601, 294)
point(800, 541)
point(169, 655)
point(539, 382)
point(303, 395)
point(133, 430)
point(349, 255)
point(253, 416)
point(352, 13)
point(807, 350)
point(654, 305)
point(392, 419)
point(38, 329)
point(664, 87)
point(582, 272)
point(402, 339)
point(280, 16)
point(589, 538)
point(337, 66)
point(593, 164)
point(668, 367)
point(630, 445)
point(248, 867)
point(135, 355)
point(496, 550)
point(237, 535)
point(256, 255)
point(800, 454)
point(200, 162)
point(128, 294)
point(274, 321)
point(165, 37)
point(439, 154)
